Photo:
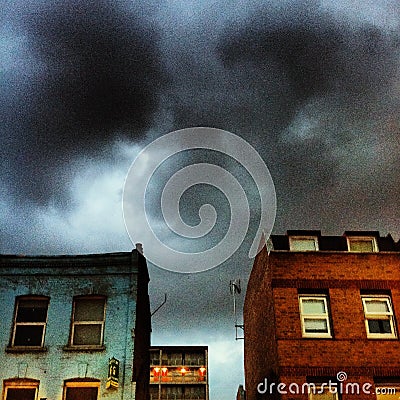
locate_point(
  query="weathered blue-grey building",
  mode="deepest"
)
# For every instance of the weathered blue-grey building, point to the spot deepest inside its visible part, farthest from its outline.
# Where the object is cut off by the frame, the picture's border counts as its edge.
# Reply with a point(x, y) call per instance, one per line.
point(74, 327)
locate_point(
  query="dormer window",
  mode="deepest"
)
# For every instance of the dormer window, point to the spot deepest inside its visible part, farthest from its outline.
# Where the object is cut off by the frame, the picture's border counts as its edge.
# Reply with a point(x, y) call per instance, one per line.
point(362, 244)
point(303, 243)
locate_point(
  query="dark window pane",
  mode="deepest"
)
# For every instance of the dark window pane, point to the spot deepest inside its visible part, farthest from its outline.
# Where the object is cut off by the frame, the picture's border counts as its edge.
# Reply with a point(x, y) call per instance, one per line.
point(155, 357)
point(81, 393)
point(379, 326)
point(174, 359)
point(194, 359)
point(87, 334)
point(195, 392)
point(28, 335)
point(171, 392)
point(32, 311)
point(89, 310)
point(21, 394)
point(153, 389)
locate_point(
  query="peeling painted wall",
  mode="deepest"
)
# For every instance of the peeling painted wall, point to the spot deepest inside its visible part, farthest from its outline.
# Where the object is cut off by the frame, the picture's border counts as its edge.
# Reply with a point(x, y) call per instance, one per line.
point(114, 276)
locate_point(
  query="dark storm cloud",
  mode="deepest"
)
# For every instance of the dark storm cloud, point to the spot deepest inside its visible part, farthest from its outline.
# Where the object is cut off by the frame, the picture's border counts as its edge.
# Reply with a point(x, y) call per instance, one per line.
point(329, 80)
point(261, 68)
point(91, 74)
point(302, 84)
point(317, 54)
point(315, 91)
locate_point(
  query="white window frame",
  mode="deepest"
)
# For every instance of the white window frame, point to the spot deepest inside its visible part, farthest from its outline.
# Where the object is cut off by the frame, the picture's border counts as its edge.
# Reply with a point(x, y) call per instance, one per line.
point(78, 384)
point(16, 324)
point(389, 315)
point(74, 323)
point(293, 239)
point(20, 384)
point(325, 316)
point(371, 239)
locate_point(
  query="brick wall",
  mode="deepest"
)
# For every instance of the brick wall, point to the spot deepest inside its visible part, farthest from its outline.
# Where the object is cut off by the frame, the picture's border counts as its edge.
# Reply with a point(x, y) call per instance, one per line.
point(274, 347)
point(259, 327)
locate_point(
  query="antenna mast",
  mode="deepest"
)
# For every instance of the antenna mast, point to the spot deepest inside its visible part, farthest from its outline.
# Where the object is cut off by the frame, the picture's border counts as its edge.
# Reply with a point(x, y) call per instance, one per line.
point(235, 289)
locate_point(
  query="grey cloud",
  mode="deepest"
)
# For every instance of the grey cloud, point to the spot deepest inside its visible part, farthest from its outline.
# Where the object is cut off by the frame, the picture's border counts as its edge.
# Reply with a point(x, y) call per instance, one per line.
point(90, 73)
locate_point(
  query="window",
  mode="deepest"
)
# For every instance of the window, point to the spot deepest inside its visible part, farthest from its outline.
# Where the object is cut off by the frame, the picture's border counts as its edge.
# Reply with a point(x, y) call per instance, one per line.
point(194, 359)
point(171, 392)
point(21, 393)
point(21, 389)
point(30, 322)
point(81, 390)
point(172, 359)
point(379, 319)
point(303, 243)
point(153, 389)
point(195, 392)
point(362, 244)
point(389, 391)
point(87, 328)
point(314, 316)
point(323, 392)
point(178, 392)
point(154, 357)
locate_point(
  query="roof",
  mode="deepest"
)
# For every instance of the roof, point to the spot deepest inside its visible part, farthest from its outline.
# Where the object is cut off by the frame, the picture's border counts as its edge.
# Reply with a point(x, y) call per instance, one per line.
point(180, 348)
point(91, 264)
point(333, 243)
point(64, 259)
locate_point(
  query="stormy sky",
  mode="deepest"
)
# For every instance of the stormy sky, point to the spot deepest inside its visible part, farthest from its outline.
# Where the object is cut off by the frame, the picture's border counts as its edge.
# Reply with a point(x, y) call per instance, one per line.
point(313, 86)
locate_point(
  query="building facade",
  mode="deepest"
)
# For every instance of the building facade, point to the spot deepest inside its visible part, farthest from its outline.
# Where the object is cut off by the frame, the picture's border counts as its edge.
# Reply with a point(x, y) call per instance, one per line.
point(321, 318)
point(74, 327)
point(179, 373)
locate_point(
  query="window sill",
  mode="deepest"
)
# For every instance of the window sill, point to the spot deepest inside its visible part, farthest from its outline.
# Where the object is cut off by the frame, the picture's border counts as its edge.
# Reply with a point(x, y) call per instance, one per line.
point(84, 348)
point(26, 349)
point(317, 337)
point(381, 337)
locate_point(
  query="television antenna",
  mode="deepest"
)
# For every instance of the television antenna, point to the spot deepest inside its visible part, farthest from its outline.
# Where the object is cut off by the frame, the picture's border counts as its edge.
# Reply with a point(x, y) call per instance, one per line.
point(235, 289)
point(165, 300)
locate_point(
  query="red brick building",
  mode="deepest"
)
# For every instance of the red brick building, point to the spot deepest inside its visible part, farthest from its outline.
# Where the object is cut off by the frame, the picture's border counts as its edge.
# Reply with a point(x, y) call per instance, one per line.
point(322, 309)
